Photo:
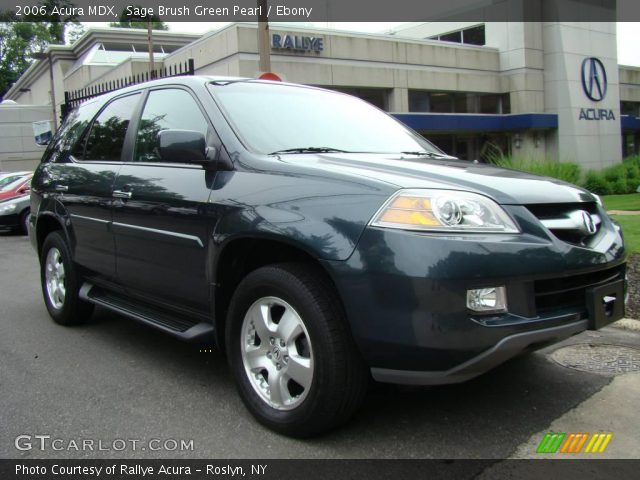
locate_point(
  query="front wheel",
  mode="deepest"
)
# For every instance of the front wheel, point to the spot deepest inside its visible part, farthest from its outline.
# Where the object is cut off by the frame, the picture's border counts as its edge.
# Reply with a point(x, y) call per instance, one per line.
point(60, 283)
point(290, 350)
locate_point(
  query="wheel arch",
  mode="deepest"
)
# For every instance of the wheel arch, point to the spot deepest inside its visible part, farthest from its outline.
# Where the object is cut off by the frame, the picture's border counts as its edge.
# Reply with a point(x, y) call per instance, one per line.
point(46, 223)
point(240, 256)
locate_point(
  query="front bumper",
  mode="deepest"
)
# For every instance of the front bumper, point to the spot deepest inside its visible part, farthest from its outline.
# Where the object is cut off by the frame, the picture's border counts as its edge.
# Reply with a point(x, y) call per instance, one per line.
point(505, 349)
point(405, 296)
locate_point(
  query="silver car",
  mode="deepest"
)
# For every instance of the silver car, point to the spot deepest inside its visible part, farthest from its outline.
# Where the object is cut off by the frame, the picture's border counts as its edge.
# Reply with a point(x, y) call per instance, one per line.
point(14, 213)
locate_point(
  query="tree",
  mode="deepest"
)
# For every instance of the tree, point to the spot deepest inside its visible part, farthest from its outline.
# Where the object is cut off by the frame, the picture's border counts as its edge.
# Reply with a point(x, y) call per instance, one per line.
point(21, 39)
point(139, 19)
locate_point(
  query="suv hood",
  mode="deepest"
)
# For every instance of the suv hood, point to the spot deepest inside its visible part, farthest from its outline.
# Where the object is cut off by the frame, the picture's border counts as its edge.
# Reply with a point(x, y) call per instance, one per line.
point(508, 187)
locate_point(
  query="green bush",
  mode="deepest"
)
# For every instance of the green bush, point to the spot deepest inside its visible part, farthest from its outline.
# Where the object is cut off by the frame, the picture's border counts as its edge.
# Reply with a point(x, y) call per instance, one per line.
point(566, 171)
point(597, 183)
point(614, 180)
point(620, 179)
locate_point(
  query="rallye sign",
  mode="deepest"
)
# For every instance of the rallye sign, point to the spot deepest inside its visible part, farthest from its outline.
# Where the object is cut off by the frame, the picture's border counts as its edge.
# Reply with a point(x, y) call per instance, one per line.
point(297, 42)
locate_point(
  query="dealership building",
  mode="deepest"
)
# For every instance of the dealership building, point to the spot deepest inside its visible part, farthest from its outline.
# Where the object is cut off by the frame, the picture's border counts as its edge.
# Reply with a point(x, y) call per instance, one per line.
point(532, 89)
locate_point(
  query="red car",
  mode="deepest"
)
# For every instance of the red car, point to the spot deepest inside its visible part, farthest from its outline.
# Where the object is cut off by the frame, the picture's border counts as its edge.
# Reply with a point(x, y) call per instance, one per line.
point(15, 184)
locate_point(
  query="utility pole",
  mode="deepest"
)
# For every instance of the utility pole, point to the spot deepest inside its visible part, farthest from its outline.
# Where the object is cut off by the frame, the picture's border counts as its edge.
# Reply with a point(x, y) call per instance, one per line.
point(53, 92)
point(263, 37)
point(150, 41)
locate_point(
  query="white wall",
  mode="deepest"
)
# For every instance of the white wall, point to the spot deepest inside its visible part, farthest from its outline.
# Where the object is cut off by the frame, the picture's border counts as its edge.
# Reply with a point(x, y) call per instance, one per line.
point(18, 150)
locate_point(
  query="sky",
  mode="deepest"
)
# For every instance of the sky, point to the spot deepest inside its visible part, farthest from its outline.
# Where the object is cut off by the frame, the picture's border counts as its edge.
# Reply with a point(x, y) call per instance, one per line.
point(628, 33)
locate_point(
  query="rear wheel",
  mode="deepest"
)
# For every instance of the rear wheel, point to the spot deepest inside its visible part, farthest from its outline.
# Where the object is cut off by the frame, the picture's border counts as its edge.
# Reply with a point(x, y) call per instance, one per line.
point(295, 364)
point(60, 283)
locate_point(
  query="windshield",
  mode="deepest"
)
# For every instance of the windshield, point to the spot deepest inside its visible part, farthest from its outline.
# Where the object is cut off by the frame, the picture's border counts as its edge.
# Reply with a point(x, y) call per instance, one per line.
point(272, 118)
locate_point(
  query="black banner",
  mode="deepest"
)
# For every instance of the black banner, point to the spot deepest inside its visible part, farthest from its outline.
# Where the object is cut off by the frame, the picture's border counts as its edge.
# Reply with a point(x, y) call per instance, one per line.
point(329, 10)
point(315, 469)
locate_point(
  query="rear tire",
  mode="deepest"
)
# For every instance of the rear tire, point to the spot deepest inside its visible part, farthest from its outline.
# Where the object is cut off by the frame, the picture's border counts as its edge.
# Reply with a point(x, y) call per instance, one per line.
point(290, 349)
point(61, 284)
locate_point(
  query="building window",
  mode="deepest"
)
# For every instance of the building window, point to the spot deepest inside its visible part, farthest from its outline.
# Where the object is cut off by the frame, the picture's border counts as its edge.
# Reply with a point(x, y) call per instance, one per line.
point(458, 102)
point(378, 97)
point(468, 36)
point(451, 37)
point(474, 35)
point(630, 108)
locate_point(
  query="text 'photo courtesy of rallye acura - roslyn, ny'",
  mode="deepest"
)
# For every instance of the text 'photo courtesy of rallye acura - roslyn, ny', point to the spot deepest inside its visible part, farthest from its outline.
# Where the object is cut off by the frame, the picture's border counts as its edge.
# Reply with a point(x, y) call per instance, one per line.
point(315, 239)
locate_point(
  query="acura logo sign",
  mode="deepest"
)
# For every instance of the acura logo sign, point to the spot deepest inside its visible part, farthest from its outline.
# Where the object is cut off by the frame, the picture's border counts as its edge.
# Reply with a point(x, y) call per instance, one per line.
point(594, 79)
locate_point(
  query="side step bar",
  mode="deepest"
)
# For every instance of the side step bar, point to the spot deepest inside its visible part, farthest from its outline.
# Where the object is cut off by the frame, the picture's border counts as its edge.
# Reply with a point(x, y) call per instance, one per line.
point(175, 325)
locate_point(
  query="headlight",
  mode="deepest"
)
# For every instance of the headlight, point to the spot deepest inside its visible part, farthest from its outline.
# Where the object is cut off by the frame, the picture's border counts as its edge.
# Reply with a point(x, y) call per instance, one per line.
point(7, 209)
point(444, 211)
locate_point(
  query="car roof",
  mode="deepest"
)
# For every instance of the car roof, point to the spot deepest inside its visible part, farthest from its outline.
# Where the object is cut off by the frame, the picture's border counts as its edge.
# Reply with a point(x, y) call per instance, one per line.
point(12, 174)
point(193, 81)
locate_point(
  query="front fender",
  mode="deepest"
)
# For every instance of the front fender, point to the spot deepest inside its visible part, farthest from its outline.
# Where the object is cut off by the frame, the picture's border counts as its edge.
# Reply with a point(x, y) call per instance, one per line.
point(323, 217)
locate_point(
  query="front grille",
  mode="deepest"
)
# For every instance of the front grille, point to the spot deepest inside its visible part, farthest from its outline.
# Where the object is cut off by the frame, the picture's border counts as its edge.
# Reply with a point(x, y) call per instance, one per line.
point(569, 292)
point(565, 221)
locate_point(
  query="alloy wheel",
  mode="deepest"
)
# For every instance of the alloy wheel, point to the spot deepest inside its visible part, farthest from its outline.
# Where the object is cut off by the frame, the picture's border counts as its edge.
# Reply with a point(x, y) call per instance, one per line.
point(55, 278)
point(276, 353)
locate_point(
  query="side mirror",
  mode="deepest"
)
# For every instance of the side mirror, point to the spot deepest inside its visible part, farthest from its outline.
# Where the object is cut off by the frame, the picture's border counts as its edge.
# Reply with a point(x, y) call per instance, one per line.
point(24, 190)
point(182, 146)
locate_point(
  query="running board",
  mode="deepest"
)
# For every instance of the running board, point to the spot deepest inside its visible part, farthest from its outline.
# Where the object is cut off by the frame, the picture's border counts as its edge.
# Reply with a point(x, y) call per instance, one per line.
point(173, 324)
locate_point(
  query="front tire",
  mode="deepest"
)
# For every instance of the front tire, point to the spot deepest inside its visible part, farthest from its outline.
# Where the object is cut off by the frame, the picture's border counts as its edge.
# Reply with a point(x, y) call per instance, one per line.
point(60, 283)
point(291, 352)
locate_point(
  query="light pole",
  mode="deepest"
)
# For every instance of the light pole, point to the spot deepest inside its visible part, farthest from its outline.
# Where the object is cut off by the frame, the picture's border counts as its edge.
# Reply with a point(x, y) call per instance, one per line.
point(42, 56)
point(263, 38)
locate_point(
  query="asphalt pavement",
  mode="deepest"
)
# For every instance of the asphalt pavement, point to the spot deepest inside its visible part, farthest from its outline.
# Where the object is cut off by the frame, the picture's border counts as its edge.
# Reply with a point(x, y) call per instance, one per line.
point(113, 379)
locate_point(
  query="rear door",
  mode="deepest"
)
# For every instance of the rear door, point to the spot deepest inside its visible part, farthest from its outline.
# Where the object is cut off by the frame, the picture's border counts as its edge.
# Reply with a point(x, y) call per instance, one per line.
point(159, 220)
point(83, 182)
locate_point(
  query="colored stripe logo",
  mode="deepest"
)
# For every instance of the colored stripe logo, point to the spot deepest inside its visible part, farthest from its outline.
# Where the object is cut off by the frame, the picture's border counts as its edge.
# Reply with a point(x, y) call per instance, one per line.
point(574, 442)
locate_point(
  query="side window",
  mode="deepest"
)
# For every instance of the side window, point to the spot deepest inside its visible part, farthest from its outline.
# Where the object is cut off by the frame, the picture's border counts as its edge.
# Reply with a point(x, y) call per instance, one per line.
point(106, 138)
point(164, 109)
point(70, 132)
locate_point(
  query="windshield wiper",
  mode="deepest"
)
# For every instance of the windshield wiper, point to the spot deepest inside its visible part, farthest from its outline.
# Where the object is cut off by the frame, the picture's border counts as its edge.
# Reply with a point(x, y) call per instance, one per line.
point(309, 150)
point(425, 154)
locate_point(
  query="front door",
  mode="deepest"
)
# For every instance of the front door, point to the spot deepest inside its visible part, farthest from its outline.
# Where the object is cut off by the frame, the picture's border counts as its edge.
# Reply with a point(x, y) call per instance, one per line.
point(159, 223)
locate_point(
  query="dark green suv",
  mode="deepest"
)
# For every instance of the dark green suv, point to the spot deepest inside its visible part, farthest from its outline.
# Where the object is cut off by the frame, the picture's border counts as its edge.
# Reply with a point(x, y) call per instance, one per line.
point(315, 239)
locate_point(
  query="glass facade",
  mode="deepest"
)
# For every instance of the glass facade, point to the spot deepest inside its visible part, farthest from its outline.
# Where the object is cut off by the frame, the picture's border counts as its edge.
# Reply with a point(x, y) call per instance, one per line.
point(458, 102)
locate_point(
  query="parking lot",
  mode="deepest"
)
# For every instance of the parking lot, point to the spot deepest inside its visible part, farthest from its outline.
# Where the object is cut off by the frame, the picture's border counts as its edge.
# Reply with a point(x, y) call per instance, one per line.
point(114, 379)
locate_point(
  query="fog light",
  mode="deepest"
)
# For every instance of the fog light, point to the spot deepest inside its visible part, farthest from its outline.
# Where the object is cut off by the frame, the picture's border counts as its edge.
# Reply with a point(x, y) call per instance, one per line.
point(487, 300)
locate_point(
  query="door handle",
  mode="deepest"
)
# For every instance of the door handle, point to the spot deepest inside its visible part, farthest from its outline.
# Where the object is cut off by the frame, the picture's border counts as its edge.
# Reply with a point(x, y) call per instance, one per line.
point(121, 194)
point(61, 188)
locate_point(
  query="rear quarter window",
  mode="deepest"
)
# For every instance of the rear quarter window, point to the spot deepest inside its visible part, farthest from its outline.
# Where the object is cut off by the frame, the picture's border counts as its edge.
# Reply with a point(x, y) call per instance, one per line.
point(70, 132)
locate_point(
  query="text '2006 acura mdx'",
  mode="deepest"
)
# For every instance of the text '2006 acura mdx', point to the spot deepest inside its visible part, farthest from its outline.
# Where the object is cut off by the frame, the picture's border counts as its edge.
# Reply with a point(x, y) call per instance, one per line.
point(315, 239)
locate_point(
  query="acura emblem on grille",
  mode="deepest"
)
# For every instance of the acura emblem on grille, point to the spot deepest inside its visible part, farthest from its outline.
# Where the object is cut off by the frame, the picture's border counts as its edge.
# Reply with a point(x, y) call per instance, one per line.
point(588, 223)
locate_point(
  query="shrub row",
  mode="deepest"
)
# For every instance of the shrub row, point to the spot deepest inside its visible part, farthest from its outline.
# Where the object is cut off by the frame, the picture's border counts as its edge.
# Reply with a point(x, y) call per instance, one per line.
point(614, 180)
